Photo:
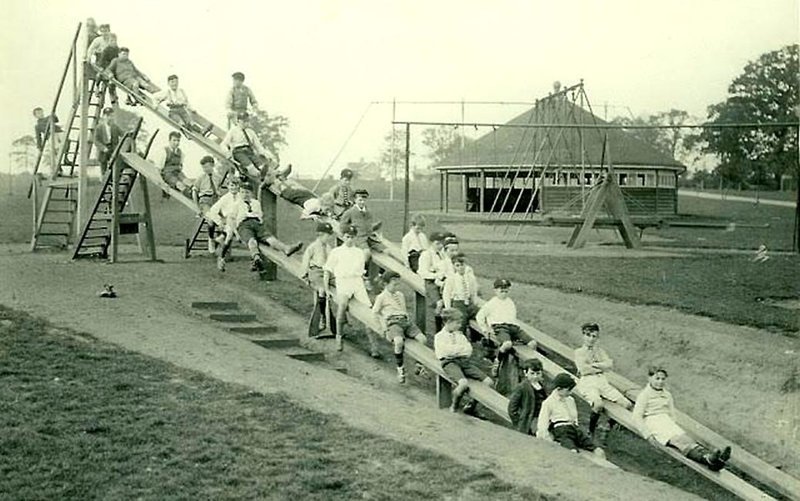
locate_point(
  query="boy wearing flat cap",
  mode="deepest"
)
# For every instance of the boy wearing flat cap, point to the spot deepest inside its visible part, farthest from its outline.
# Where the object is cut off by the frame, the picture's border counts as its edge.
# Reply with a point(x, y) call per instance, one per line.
point(592, 361)
point(360, 217)
point(498, 320)
point(342, 193)
point(390, 306)
point(238, 98)
point(558, 418)
point(314, 259)
point(526, 400)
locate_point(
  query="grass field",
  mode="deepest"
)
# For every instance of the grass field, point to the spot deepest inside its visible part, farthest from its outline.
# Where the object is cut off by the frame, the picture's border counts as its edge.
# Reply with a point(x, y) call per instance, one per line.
point(83, 420)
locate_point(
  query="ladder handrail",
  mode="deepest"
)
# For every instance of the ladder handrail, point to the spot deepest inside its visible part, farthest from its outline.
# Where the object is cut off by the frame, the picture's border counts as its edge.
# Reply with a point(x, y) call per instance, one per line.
point(51, 133)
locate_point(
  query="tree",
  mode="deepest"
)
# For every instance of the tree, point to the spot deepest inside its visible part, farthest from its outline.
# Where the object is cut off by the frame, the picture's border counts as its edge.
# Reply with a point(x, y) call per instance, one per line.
point(766, 91)
point(24, 152)
point(271, 131)
point(394, 149)
point(675, 142)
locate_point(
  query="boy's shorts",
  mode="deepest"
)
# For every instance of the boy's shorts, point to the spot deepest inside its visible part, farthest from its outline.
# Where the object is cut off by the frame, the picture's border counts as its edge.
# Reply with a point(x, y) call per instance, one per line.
point(468, 312)
point(172, 176)
point(351, 287)
point(370, 242)
point(205, 202)
point(507, 332)
point(401, 326)
point(595, 387)
point(180, 114)
point(316, 277)
point(461, 368)
point(245, 156)
point(251, 228)
point(667, 431)
point(572, 437)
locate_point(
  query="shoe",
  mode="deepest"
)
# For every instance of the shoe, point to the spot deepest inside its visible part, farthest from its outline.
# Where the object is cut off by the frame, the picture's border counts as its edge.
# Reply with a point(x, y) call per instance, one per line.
point(377, 226)
point(208, 129)
point(221, 263)
point(212, 246)
point(257, 264)
point(454, 405)
point(725, 455)
point(469, 407)
point(401, 375)
point(339, 343)
point(495, 369)
point(107, 292)
point(294, 248)
point(419, 370)
point(285, 172)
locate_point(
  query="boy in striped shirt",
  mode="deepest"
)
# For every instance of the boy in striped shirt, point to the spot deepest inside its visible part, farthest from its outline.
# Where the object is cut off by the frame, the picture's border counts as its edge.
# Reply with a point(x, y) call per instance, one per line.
point(390, 306)
point(498, 319)
point(654, 415)
point(460, 291)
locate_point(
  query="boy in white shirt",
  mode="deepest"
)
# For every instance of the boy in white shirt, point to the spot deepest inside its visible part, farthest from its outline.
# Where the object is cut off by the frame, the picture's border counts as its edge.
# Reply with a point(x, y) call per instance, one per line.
point(247, 217)
point(178, 104)
point(390, 306)
point(460, 291)
point(454, 350)
point(432, 271)
point(498, 319)
point(346, 264)
point(558, 418)
point(415, 242)
point(217, 217)
point(654, 415)
point(592, 361)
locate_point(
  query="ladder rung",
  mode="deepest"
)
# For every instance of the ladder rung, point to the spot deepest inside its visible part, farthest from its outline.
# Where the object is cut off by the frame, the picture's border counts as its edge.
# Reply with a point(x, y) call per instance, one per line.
point(60, 211)
point(53, 234)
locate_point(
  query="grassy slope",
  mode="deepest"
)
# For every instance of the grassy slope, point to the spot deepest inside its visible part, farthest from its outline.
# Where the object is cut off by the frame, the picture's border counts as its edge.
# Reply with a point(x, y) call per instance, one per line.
point(85, 420)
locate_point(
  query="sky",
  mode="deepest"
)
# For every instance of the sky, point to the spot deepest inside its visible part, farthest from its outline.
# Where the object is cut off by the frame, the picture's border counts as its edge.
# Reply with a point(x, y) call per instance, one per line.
point(321, 63)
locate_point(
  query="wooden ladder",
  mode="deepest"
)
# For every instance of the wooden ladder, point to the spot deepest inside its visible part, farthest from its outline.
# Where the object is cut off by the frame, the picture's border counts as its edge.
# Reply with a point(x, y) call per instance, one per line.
point(56, 214)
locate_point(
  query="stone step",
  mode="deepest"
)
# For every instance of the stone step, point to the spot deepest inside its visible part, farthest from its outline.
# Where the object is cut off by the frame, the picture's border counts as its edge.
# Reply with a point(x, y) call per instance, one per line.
point(215, 305)
point(304, 354)
point(233, 317)
point(274, 341)
point(254, 329)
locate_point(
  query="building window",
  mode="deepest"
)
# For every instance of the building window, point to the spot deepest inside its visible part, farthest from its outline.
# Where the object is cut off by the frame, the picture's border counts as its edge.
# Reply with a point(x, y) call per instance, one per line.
point(622, 179)
point(574, 179)
point(641, 179)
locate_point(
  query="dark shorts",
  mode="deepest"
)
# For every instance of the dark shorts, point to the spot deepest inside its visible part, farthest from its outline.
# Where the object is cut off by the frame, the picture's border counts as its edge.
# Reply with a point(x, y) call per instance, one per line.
point(413, 260)
point(180, 114)
point(172, 176)
point(468, 312)
point(462, 367)
point(297, 196)
point(508, 332)
point(252, 229)
point(572, 437)
point(369, 242)
point(244, 156)
point(401, 326)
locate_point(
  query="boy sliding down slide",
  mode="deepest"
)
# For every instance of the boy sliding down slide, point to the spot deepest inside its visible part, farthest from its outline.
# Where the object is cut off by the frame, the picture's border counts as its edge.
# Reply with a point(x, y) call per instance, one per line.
point(247, 218)
point(313, 207)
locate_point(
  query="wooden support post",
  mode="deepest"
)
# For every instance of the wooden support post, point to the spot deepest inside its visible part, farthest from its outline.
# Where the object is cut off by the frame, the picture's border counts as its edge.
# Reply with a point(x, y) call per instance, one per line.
point(147, 243)
point(441, 191)
point(269, 206)
point(407, 180)
point(420, 310)
point(444, 392)
point(83, 144)
point(35, 193)
point(482, 190)
point(115, 208)
point(54, 161)
point(446, 192)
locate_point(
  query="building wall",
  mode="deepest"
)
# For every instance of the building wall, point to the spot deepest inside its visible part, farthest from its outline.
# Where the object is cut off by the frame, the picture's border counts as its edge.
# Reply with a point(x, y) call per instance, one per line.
point(640, 201)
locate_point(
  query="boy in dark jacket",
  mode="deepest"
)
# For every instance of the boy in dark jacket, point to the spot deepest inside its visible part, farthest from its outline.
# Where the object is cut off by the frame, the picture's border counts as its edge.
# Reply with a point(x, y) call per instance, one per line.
point(526, 399)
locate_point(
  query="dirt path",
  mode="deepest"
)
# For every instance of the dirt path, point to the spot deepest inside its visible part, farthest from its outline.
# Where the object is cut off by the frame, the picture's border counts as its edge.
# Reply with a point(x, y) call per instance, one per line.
point(153, 316)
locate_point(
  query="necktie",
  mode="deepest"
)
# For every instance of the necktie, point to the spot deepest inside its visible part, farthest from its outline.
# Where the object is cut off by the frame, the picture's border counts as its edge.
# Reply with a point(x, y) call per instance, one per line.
point(213, 187)
point(249, 207)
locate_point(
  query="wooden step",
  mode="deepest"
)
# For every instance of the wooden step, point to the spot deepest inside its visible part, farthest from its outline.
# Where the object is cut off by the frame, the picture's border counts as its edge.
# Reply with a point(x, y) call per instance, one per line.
point(215, 305)
point(254, 330)
point(275, 341)
point(233, 317)
point(304, 355)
